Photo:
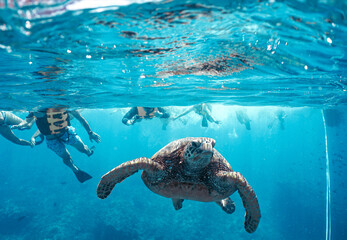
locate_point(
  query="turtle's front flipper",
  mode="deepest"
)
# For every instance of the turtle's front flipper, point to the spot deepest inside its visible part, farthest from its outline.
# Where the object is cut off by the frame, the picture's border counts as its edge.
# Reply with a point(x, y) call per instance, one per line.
point(249, 199)
point(118, 174)
point(177, 203)
point(227, 205)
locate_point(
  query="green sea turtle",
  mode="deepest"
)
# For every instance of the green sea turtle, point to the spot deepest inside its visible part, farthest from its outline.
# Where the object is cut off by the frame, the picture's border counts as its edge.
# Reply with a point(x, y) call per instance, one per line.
point(189, 168)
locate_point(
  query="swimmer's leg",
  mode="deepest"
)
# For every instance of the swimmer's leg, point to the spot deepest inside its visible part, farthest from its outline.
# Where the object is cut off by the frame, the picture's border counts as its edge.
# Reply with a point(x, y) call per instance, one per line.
point(75, 141)
point(7, 133)
point(204, 122)
point(248, 125)
point(12, 119)
point(59, 148)
point(210, 118)
point(165, 122)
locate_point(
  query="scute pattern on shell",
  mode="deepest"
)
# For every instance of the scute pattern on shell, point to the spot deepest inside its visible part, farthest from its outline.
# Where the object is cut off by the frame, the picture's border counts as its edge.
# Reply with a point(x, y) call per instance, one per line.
point(171, 157)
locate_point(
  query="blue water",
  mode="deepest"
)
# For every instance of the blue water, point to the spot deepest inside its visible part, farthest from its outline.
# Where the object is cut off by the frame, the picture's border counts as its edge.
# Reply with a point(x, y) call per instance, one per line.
point(260, 57)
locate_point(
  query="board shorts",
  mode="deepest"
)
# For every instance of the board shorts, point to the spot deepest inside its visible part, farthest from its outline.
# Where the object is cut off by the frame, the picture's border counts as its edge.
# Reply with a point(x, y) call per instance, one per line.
point(57, 145)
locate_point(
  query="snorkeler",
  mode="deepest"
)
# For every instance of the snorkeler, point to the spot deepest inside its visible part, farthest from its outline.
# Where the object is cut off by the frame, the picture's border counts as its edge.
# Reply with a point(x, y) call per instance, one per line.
point(280, 115)
point(243, 118)
point(54, 124)
point(6, 120)
point(136, 114)
point(203, 110)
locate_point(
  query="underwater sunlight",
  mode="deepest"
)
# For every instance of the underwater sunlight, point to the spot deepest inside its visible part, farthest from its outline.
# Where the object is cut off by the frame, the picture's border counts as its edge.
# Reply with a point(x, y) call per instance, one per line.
point(173, 119)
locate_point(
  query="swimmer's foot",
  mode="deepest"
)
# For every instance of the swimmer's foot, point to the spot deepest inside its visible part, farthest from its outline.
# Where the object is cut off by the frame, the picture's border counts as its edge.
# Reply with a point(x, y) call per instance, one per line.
point(91, 151)
point(82, 176)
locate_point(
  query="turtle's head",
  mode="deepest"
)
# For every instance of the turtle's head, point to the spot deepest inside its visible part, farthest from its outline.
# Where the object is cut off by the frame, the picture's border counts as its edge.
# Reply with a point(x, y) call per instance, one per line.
point(198, 153)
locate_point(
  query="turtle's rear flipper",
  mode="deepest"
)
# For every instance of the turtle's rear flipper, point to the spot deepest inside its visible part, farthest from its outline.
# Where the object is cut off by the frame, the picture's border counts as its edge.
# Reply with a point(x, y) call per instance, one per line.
point(82, 176)
point(118, 174)
point(227, 205)
point(177, 203)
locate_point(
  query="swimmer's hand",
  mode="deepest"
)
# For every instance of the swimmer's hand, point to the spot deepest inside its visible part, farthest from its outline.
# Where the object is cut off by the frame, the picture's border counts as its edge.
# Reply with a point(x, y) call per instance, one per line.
point(20, 126)
point(218, 122)
point(132, 121)
point(25, 143)
point(158, 114)
point(32, 142)
point(129, 122)
point(94, 136)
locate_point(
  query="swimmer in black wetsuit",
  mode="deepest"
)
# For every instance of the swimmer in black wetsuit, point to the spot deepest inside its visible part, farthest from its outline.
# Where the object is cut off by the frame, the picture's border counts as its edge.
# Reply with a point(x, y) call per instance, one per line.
point(136, 114)
point(54, 124)
point(204, 110)
point(7, 119)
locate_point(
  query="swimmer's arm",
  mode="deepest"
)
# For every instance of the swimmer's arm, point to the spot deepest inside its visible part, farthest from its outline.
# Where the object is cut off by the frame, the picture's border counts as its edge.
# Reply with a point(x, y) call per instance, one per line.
point(7, 133)
point(83, 121)
point(36, 134)
point(33, 139)
point(26, 124)
point(184, 113)
point(128, 117)
point(208, 113)
point(163, 113)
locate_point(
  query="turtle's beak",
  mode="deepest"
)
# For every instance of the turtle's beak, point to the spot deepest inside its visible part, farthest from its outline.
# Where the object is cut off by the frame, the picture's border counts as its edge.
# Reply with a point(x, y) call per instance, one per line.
point(205, 152)
point(206, 147)
point(212, 141)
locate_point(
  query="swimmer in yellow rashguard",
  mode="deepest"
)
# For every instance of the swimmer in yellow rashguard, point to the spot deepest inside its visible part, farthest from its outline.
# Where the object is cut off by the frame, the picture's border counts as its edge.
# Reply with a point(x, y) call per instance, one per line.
point(54, 124)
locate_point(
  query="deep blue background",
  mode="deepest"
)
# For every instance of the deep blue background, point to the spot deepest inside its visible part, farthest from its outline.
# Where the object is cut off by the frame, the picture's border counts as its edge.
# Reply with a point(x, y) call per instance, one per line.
point(41, 199)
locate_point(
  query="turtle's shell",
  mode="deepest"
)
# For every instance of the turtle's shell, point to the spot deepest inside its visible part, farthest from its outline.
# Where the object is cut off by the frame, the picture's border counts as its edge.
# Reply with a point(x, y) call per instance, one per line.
point(173, 182)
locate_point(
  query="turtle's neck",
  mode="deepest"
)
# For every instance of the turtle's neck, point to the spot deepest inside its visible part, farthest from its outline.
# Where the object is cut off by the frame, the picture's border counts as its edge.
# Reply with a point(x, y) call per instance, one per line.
point(191, 171)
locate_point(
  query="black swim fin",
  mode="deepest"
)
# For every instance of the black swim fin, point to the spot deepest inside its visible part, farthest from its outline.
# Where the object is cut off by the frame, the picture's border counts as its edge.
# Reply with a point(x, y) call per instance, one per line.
point(82, 176)
point(204, 122)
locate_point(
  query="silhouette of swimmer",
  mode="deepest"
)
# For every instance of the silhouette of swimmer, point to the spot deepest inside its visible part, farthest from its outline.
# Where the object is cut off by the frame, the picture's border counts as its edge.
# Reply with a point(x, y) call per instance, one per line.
point(280, 115)
point(136, 114)
point(243, 118)
point(54, 124)
point(7, 119)
point(204, 110)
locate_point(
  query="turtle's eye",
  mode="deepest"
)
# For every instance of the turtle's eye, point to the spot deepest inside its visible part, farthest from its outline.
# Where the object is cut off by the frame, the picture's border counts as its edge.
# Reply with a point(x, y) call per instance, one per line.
point(194, 144)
